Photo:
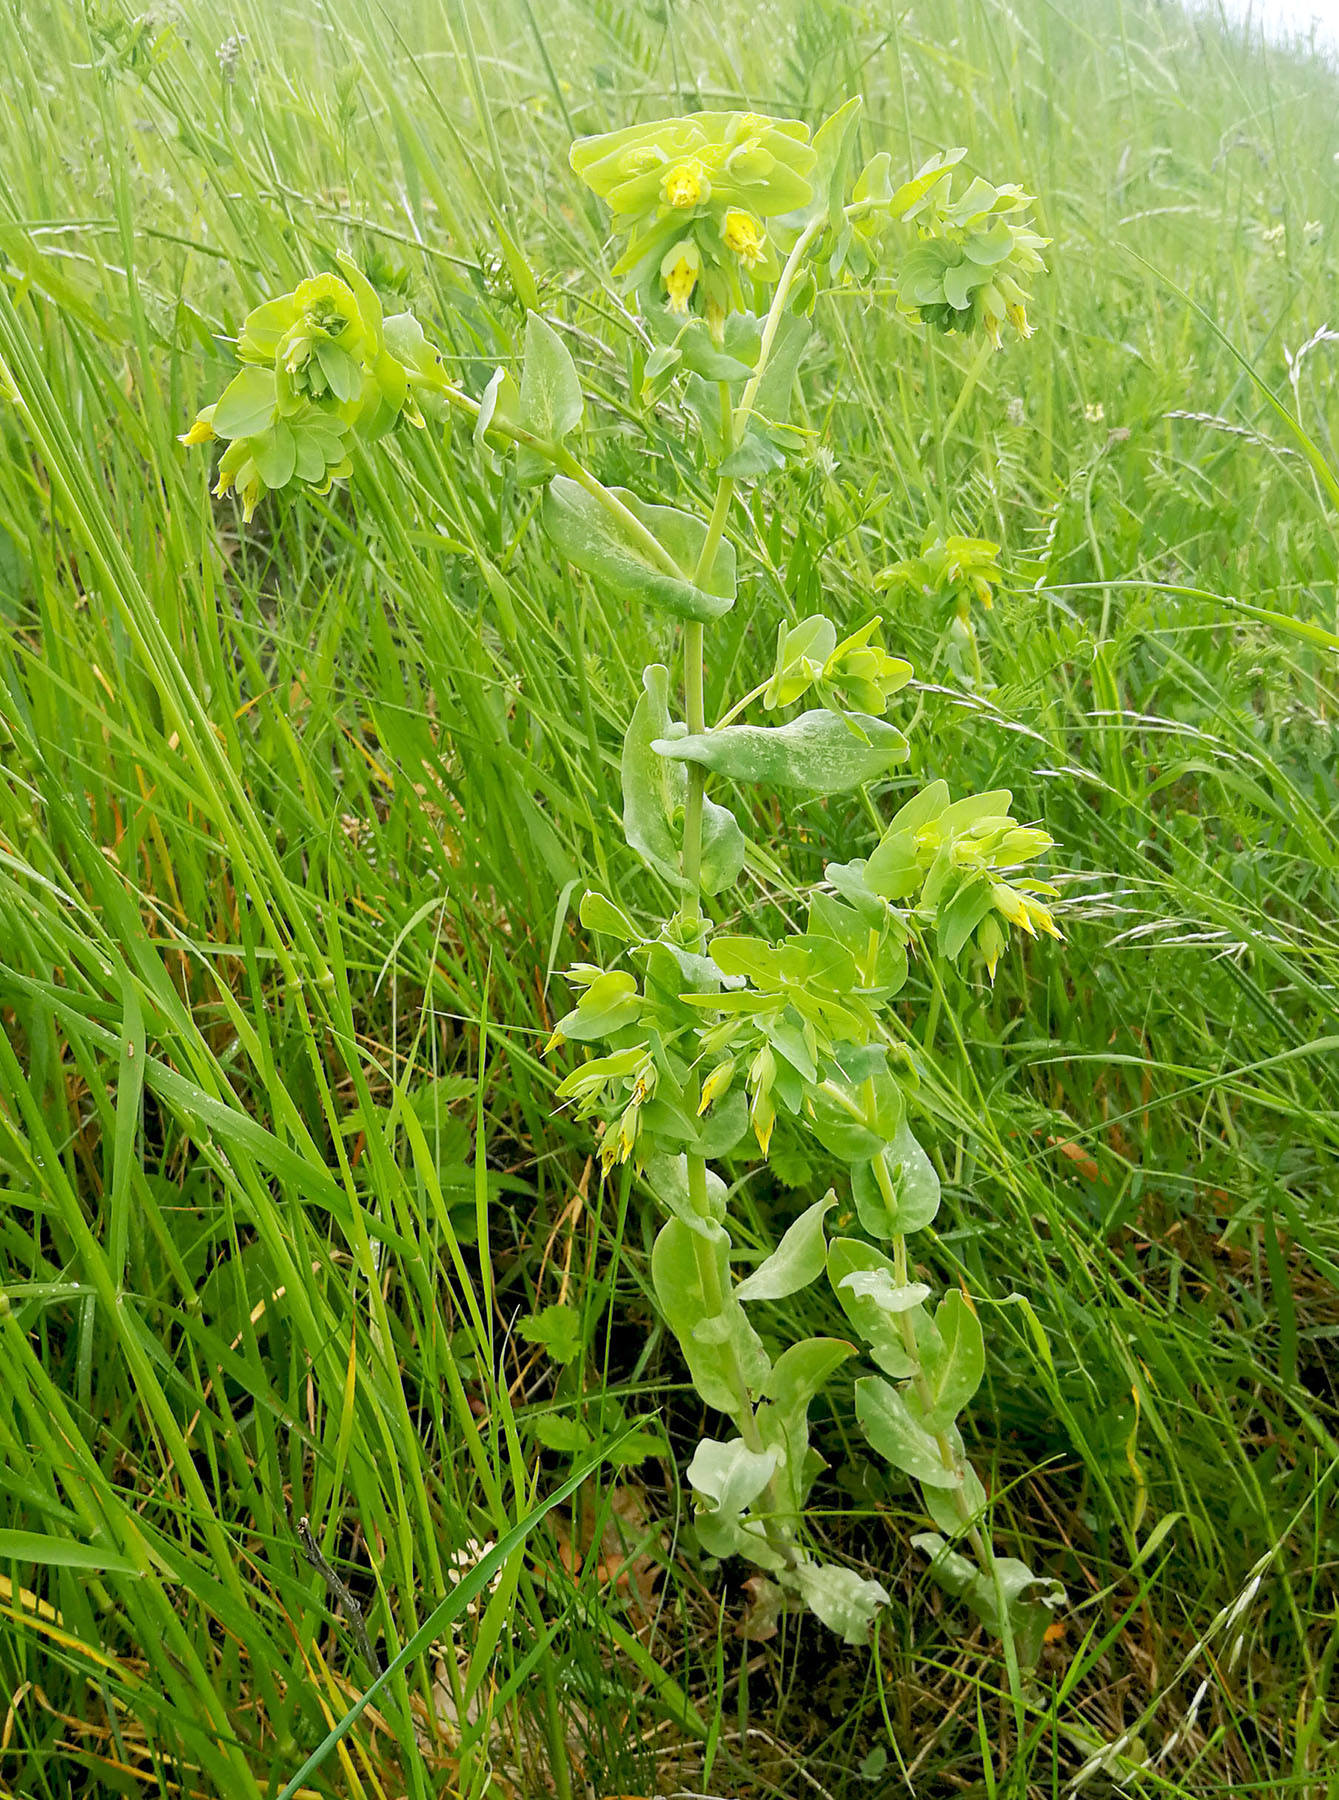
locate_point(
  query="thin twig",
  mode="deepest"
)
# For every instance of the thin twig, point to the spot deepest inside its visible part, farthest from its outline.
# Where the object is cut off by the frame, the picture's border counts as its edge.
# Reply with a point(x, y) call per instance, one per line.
point(311, 1551)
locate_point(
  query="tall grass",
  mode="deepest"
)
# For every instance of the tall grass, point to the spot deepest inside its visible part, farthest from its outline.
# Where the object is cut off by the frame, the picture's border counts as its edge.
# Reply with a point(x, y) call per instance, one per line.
point(293, 819)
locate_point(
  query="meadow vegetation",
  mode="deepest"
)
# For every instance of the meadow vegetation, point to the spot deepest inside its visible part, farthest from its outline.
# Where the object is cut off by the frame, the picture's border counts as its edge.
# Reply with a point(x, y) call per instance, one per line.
point(327, 1345)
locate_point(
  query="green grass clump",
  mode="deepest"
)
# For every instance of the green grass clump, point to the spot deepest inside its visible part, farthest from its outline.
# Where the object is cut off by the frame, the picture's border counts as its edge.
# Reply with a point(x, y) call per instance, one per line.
point(293, 821)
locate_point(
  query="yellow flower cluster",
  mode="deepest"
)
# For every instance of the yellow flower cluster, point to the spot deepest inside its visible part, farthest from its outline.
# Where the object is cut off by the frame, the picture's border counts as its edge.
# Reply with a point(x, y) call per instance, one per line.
point(693, 196)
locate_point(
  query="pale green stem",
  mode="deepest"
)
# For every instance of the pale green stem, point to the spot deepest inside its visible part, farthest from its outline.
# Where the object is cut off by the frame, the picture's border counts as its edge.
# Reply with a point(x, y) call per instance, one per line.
point(739, 705)
point(953, 1461)
point(772, 324)
point(970, 380)
point(695, 708)
point(564, 461)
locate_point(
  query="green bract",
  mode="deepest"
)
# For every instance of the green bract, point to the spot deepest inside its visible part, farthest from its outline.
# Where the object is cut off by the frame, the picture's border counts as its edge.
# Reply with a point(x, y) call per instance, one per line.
point(320, 367)
point(692, 195)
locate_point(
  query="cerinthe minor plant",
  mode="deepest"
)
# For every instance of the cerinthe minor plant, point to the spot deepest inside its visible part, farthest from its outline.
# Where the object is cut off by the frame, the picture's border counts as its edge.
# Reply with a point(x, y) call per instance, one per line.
point(693, 1041)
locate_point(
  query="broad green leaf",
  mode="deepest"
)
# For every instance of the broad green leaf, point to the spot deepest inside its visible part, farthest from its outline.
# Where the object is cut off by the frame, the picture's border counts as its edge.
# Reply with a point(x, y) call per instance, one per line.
point(888, 1421)
point(653, 789)
point(275, 454)
point(783, 1420)
point(667, 1177)
point(847, 1603)
point(1028, 1602)
point(914, 1184)
point(731, 1346)
point(818, 753)
point(801, 651)
point(608, 550)
point(911, 196)
point(343, 374)
point(849, 1130)
point(608, 1004)
point(568, 1436)
point(833, 143)
point(729, 1476)
point(369, 304)
point(772, 400)
point(556, 1329)
point(551, 399)
point(724, 847)
point(599, 913)
point(63, 1553)
point(879, 1329)
point(953, 1511)
point(754, 456)
point(800, 1371)
point(880, 1287)
point(958, 918)
point(247, 404)
point(954, 1366)
point(500, 402)
point(797, 1260)
point(724, 1536)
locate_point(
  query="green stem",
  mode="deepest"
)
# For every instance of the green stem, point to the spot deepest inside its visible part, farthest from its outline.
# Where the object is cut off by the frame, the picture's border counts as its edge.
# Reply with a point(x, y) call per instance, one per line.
point(954, 1462)
point(566, 464)
point(695, 707)
point(772, 324)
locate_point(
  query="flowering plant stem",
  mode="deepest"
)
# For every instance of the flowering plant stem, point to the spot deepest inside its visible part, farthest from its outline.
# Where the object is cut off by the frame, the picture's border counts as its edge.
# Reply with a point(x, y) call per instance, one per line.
point(695, 1045)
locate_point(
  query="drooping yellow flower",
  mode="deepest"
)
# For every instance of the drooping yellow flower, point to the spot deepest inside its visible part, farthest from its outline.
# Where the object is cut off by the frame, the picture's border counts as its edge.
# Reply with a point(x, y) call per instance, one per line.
point(686, 184)
point(202, 431)
point(680, 270)
point(715, 1085)
point(745, 236)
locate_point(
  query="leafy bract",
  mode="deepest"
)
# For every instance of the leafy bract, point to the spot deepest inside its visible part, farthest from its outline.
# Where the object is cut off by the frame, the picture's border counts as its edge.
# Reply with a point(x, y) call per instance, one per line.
point(610, 550)
point(820, 752)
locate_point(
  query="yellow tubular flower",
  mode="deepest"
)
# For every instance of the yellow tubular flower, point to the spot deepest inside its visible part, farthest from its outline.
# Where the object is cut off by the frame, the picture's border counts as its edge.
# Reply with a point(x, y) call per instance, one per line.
point(715, 1085)
point(202, 432)
point(680, 270)
point(745, 236)
point(686, 185)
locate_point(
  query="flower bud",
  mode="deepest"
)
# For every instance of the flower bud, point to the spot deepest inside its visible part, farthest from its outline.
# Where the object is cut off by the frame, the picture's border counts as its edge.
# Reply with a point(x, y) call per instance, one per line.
point(716, 1084)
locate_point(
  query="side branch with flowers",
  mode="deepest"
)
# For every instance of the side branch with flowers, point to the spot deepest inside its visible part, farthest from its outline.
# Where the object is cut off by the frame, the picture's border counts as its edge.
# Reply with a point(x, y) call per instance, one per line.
point(693, 1041)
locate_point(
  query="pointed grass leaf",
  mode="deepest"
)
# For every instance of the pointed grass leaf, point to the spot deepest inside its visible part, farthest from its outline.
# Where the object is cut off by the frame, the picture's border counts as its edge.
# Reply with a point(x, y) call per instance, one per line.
point(818, 753)
point(63, 1553)
point(453, 1606)
point(614, 555)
